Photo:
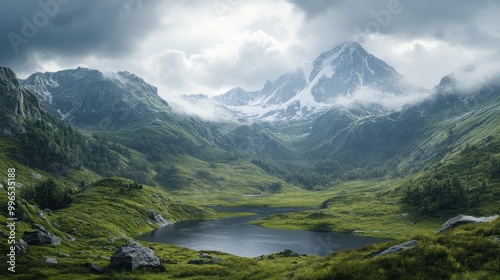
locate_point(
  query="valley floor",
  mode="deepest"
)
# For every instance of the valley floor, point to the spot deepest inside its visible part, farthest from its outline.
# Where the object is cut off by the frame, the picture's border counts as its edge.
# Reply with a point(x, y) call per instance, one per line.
point(102, 218)
point(369, 208)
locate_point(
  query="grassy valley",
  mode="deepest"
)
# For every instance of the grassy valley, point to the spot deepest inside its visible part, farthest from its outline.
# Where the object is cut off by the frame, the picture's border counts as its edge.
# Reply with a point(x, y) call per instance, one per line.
point(102, 217)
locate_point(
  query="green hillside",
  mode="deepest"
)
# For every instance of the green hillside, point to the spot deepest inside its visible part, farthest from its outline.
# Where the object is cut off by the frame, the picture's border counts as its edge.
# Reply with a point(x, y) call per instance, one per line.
point(103, 217)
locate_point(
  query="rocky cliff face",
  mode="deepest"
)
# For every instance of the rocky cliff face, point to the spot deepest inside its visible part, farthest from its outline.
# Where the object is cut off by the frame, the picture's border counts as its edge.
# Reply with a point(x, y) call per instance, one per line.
point(16, 104)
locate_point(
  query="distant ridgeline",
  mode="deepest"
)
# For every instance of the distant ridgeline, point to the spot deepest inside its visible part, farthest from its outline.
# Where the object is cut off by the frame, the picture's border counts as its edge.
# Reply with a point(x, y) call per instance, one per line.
point(116, 124)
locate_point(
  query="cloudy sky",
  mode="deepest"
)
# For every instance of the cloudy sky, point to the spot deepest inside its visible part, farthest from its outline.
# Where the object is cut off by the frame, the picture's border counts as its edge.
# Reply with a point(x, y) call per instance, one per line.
point(210, 46)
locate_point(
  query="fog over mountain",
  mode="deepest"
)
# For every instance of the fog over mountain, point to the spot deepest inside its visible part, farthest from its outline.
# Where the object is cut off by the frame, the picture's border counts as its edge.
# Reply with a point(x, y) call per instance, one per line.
point(471, 78)
point(346, 76)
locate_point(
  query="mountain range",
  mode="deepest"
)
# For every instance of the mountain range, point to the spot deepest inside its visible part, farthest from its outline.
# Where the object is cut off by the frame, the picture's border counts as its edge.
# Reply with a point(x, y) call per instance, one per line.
point(331, 114)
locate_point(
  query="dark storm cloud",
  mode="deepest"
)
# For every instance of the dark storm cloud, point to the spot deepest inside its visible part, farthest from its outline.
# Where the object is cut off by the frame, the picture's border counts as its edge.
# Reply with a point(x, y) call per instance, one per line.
point(72, 29)
point(454, 21)
point(315, 7)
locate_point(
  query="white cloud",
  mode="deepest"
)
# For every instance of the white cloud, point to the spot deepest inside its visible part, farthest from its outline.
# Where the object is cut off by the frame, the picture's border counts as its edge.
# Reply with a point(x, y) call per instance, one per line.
point(204, 108)
point(247, 59)
point(367, 95)
point(469, 79)
point(423, 60)
point(209, 47)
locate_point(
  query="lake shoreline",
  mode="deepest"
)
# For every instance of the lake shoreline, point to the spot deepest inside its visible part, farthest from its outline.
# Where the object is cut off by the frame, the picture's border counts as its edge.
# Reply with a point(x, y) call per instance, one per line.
point(238, 236)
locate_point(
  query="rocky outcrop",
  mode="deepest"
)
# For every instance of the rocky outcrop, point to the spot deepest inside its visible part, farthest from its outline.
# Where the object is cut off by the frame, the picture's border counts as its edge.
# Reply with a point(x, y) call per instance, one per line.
point(21, 247)
point(393, 249)
point(16, 103)
point(464, 219)
point(157, 217)
point(39, 237)
point(135, 256)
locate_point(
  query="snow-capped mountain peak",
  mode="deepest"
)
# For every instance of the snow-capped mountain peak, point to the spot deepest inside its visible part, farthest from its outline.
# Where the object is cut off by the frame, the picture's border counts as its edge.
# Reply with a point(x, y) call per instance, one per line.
point(332, 78)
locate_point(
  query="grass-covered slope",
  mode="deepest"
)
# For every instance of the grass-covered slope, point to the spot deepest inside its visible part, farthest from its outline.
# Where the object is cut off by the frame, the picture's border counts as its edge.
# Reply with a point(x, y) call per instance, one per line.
point(103, 217)
point(370, 208)
point(467, 252)
point(100, 217)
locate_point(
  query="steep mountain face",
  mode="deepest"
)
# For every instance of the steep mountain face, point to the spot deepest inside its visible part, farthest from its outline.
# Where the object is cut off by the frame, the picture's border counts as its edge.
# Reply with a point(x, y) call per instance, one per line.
point(95, 100)
point(16, 104)
point(37, 139)
point(344, 69)
point(337, 76)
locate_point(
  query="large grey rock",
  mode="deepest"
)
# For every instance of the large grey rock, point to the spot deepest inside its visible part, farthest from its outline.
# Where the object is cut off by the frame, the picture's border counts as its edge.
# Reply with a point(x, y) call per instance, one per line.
point(464, 219)
point(135, 256)
point(393, 249)
point(38, 237)
point(21, 246)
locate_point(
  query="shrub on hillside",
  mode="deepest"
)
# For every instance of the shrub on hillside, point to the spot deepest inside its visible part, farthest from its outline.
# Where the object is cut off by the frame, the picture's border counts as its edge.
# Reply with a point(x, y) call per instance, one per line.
point(435, 194)
point(48, 194)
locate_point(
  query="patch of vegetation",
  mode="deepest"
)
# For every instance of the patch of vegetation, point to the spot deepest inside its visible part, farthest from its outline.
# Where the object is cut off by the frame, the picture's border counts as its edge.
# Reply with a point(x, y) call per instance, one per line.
point(467, 252)
point(436, 194)
point(48, 194)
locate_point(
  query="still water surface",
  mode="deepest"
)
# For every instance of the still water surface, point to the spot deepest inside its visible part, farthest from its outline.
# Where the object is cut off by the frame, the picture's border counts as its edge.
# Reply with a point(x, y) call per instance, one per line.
point(238, 237)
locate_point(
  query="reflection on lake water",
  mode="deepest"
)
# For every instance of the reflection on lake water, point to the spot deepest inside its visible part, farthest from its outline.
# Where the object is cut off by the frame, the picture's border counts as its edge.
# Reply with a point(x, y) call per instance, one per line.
point(238, 237)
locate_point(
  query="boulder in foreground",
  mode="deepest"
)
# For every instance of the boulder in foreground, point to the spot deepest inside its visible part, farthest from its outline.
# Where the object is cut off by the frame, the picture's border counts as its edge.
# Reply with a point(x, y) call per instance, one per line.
point(135, 256)
point(464, 219)
point(39, 237)
point(393, 249)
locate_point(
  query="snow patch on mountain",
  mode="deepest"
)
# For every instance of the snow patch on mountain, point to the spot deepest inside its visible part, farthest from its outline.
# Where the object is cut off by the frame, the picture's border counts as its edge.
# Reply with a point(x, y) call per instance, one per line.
point(343, 76)
point(41, 85)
